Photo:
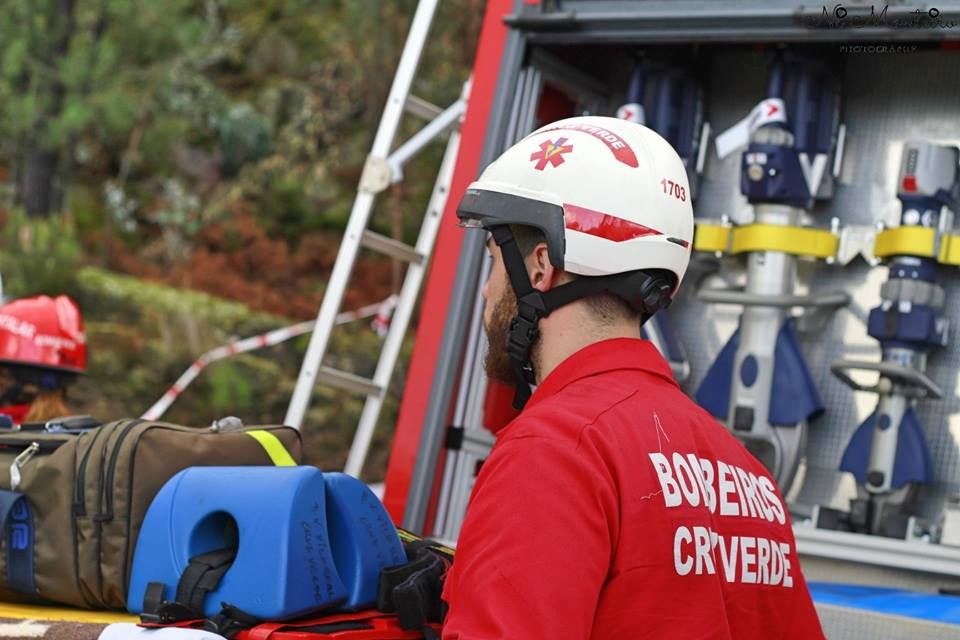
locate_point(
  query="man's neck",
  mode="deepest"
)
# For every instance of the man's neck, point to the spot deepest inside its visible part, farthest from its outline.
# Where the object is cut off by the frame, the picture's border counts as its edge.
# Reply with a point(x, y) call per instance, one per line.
point(570, 329)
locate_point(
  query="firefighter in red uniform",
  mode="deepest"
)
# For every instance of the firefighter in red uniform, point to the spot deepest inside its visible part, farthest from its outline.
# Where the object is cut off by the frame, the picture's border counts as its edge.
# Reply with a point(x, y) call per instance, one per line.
point(613, 506)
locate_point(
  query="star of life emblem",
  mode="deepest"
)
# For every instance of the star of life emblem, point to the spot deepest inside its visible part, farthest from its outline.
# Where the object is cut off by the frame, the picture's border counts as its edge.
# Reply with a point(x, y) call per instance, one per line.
point(550, 153)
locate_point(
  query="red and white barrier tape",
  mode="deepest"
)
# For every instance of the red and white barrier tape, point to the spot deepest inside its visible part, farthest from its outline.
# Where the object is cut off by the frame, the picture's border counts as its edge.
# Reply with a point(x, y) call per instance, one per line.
point(381, 312)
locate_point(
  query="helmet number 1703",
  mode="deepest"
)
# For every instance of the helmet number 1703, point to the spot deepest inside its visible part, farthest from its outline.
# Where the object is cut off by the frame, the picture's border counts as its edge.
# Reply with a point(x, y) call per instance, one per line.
point(674, 189)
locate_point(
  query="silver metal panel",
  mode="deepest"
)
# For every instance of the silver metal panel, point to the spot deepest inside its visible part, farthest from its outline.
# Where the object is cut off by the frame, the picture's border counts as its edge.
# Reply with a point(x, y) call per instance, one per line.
point(853, 547)
point(842, 623)
point(888, 99)
point(623, 21)
point(821, 569)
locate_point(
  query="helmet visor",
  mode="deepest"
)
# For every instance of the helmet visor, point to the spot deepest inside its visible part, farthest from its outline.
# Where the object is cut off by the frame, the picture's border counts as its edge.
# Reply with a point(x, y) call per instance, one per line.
point(482, 209)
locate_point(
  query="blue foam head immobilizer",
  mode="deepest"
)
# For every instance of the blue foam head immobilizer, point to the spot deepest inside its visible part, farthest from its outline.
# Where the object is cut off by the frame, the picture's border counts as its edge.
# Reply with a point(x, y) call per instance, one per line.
point(305, 541)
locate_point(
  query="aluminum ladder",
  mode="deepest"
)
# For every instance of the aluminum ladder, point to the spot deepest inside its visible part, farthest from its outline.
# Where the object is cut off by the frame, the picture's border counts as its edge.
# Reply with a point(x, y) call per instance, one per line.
point(383, 168)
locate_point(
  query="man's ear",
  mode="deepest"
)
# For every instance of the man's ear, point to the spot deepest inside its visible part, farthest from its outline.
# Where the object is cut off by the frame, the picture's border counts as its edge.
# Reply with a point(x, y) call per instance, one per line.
point(543, 274)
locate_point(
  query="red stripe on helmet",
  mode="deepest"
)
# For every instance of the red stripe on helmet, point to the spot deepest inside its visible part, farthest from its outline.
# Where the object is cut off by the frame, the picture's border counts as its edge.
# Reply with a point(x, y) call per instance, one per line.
point(617, 145)
point(603, 225)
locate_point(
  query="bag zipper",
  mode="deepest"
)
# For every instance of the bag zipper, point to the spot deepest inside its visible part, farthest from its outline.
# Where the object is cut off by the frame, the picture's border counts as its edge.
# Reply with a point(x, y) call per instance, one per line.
point(106, 491)
point(107, 516)
point(79, 509)
point(79, 501)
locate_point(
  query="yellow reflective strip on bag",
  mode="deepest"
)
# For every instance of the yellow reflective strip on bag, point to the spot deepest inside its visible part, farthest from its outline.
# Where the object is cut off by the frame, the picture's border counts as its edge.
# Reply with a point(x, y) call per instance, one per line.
point(950, 250)
point(798, 241)
point(711, 237)
point(274, 448)
point(905, 241)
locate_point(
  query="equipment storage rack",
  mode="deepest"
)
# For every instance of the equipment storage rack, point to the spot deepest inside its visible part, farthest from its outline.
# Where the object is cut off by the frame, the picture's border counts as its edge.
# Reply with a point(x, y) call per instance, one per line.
point(897, 73)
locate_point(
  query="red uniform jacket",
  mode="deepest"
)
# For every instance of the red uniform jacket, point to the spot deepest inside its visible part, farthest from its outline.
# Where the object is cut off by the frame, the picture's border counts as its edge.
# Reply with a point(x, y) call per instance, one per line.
point(614, 507)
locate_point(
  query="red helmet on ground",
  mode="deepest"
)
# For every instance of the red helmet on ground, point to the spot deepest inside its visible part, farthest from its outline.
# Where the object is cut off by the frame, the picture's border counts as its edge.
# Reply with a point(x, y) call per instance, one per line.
point(43, 332)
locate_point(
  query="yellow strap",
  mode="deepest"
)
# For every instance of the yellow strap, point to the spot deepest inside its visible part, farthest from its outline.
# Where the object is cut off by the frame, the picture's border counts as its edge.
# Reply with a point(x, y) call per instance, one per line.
point(905, 241)
point(950, 250)
point(711, 237)
point(274, 448)
point(407, 536)
point(819, 243)
point(798, 241)
point(43, 614)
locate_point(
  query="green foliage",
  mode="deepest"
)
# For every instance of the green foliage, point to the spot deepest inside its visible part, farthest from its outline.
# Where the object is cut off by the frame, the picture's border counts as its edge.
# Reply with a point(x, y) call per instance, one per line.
point(141, 336)
point(230, 390)
point(243, 136)
point(75, 116)
point(116, 291)
point(38, 256)
point(159, 119)
point(14, 61)
point(116, 113)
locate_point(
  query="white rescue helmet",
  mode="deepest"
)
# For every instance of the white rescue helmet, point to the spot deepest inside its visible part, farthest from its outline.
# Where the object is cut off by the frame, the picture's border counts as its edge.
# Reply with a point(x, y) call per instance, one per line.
point(610, 195)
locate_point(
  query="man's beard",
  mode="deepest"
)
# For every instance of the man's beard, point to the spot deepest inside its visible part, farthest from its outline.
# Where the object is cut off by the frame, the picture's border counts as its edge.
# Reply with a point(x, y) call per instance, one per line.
point(497, 362)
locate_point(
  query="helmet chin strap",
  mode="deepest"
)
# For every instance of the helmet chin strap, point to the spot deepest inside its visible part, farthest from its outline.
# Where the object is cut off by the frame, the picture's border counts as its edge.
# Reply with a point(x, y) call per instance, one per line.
point(530, 308)
point(644, 292)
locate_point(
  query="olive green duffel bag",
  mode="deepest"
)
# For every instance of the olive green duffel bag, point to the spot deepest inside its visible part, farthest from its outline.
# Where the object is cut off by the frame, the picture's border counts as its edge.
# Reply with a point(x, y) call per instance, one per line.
point(73, 497)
